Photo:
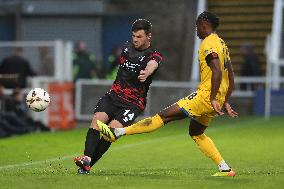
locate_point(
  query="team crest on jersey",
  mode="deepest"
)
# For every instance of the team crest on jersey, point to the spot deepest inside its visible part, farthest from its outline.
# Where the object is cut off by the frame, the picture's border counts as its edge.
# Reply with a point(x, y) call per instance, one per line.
point(141, 58)
point(125, 50)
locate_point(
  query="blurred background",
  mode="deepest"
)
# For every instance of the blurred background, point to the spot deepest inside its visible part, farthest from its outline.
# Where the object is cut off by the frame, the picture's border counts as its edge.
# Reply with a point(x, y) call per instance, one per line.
point(70, 48)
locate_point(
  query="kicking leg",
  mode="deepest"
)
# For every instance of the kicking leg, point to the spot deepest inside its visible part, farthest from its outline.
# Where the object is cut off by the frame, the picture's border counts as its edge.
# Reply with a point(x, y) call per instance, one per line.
point(91, 143)
point(102, 148)
point(104, 145)
point(146, 125)
point(150, 124)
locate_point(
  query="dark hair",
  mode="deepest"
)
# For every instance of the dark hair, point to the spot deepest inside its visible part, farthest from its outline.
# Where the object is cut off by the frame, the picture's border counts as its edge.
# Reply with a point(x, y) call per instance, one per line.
point(212, 18)
point(142, 24)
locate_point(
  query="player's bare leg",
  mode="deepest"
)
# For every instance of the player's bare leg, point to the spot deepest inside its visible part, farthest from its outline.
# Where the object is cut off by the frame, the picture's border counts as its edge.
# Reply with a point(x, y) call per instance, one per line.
point(146, 125)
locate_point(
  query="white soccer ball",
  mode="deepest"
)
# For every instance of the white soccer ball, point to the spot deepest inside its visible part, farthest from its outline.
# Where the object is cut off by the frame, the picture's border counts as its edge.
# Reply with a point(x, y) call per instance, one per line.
point(38, 99)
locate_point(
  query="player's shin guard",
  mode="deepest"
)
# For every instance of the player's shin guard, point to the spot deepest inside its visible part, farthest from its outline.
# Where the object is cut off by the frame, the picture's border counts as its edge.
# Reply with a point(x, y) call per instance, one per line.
point(92, 141)
point(103, 146)
point(144, 126)
point(207, 146)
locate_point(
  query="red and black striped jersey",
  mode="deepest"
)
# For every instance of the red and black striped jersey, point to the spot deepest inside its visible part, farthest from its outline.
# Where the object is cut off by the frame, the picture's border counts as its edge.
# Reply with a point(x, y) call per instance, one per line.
point(126, 85)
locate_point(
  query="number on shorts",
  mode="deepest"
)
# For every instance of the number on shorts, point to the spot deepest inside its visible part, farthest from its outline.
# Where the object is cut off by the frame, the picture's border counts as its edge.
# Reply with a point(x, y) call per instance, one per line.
point(128, 116)
point(192, 95)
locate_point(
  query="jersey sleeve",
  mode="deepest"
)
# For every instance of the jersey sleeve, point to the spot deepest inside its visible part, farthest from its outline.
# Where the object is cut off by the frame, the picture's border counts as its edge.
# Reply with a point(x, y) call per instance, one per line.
point(157, 56)
point(210, 52)
point(125, 49)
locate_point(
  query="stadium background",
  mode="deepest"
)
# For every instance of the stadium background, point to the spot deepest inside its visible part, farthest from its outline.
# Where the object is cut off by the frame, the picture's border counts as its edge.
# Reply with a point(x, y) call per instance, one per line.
point(54, 26)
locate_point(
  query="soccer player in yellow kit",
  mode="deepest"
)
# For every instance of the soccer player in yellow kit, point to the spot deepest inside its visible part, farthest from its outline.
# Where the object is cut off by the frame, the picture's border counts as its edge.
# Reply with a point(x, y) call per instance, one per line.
point(213, 93)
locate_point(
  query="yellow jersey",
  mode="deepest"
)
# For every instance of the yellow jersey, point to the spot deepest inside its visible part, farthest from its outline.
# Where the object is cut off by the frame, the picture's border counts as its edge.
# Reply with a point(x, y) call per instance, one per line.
point(213, 44)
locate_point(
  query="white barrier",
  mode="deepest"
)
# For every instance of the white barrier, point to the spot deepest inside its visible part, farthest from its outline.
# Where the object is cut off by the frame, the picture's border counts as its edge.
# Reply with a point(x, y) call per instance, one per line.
point(162, 93)
point(58, 53)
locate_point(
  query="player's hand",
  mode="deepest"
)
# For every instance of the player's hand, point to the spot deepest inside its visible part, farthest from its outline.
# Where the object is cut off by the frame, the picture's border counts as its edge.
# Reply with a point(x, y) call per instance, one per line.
point(143, 75)
point(230, 110)
point(216, 107)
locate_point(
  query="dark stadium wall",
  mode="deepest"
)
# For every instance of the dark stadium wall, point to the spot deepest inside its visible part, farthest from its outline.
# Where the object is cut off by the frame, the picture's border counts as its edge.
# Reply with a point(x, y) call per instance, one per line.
point(7, 28)
point(173, 26)
point(173, 31)
point(116, 30)
point(62, 19)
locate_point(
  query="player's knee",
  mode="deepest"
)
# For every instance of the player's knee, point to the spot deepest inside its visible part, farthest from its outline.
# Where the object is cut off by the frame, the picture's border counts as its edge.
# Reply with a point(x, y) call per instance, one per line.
point(171, 113)
point(115, 124)
point(196, 128)
point(164, 116)
point(198, 138)
point(99, 116)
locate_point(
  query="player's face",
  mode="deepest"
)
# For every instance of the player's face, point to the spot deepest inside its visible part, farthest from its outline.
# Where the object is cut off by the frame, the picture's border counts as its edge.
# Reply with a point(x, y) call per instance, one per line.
point(140, 40)
point(200, 29)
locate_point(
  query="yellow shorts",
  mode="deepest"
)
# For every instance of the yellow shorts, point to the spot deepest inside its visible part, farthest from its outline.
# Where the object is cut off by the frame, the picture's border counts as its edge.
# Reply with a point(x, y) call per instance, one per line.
point(198, 106)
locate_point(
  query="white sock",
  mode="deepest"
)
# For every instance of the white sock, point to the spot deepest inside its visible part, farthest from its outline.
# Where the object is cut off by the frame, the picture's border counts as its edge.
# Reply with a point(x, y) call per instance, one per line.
point(223, 166)
point(119, 132)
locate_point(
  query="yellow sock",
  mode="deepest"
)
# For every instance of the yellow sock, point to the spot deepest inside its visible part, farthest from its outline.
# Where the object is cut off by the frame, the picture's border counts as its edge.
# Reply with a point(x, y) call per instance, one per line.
point(207, 146)
point(145, 125)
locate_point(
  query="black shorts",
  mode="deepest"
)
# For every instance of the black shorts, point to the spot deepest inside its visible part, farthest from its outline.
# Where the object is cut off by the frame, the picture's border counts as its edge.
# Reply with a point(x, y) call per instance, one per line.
point(125, 113)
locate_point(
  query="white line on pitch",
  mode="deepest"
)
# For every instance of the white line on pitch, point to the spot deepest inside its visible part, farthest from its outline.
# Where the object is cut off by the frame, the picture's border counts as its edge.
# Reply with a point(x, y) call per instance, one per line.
point(74, 155)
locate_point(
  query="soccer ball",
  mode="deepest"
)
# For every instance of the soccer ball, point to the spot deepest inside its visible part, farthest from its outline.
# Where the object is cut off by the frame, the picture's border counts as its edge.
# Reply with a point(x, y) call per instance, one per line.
point(38, 99)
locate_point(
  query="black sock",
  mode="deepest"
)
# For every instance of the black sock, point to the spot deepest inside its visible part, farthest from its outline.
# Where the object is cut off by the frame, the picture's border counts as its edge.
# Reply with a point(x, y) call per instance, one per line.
point(102, 147)
point(92, 141)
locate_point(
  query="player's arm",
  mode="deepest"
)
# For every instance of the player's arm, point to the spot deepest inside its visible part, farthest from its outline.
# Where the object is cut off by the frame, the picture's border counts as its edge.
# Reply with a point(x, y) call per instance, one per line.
point(152, 65)
point(227, 106)
point(231, 81)
point(155, 59)
point(213, 62)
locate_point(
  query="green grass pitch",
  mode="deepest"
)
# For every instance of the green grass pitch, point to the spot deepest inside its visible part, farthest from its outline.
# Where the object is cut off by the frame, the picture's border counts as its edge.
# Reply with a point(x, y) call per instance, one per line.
point(166, 158)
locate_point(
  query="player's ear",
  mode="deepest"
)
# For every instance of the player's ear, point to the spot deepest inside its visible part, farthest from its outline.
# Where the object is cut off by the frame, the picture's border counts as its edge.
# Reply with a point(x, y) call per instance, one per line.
point(149, 36)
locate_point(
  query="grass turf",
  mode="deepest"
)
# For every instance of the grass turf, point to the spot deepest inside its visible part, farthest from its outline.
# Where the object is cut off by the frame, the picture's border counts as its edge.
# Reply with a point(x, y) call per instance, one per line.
point(167, 158)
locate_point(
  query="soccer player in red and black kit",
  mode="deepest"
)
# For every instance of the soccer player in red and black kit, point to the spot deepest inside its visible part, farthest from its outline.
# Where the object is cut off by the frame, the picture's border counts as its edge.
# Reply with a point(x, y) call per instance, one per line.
point(127, 97)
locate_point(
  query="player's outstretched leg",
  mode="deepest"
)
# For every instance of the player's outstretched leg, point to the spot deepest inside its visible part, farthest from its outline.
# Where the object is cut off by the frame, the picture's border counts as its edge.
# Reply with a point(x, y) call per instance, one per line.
point(108, 133)
point(144, 126)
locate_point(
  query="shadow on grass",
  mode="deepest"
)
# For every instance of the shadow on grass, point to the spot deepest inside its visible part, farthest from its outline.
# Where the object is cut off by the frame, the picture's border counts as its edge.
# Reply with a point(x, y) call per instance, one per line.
point(196, 173)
